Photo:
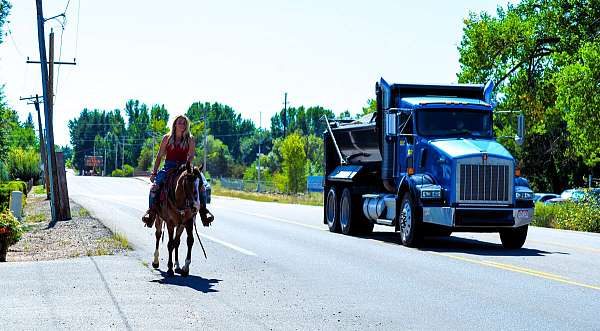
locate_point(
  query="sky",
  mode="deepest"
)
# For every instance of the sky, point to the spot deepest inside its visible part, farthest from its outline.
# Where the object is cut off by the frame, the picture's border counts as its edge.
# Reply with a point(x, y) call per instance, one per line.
point(245, 54)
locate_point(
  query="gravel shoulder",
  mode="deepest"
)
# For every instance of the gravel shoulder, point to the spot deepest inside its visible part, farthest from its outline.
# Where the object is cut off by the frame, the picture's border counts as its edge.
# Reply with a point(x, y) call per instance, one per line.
point(82, 235)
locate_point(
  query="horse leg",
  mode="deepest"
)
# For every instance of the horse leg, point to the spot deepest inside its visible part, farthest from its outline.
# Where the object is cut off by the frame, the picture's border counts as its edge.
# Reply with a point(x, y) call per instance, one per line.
point(189, 227)
point(158, 233)
point(170, 246)
point(177, 242)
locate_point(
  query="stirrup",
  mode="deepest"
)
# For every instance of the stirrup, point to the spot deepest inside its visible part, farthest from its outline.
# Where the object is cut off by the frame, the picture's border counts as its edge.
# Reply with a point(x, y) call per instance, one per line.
point(206, 216)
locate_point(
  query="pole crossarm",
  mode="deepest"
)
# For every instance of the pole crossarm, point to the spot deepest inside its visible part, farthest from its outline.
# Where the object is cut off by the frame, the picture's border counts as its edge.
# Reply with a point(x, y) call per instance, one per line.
point(55, 62)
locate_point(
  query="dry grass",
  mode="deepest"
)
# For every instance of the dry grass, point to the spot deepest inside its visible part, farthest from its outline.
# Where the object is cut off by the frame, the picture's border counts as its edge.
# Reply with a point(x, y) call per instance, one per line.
point(311, 199)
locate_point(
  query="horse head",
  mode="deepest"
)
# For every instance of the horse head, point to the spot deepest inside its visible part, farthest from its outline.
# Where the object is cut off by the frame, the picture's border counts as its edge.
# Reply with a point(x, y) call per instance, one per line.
point(189, 184)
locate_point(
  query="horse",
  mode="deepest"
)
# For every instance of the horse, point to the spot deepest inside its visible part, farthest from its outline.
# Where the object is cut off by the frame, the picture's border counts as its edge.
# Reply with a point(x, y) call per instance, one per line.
point(178, 212)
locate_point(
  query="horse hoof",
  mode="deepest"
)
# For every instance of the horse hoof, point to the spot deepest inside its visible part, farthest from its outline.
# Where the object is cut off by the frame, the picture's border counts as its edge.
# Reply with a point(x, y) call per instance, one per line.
point(184, 273)
point(154, 265)
point(170, 273)
point(178, 270)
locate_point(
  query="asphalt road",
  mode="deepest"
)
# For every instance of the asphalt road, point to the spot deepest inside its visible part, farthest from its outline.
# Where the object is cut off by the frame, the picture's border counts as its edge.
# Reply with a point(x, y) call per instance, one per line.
point(275, 266)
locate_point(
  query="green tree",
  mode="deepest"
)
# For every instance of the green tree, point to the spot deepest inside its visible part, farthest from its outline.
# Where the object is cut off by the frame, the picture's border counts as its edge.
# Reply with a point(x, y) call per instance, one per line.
point(294, 161)
point(578, 95)
point(4, 11)
point(525, 49)
point(371, 107)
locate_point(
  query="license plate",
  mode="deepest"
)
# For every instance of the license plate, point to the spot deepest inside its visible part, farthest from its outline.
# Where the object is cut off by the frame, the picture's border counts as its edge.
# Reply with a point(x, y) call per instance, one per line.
point(523, 213)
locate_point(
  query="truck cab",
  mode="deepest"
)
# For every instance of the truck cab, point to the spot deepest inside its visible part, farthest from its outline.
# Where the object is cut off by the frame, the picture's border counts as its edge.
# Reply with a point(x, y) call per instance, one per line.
point(427, 162)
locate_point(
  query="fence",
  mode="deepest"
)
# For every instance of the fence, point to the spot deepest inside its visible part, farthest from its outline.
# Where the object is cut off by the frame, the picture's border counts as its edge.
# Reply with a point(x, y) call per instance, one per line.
point(313, 184)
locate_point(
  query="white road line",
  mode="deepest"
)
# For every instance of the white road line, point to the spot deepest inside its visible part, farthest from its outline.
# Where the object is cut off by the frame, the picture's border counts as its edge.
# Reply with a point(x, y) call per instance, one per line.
point(226, 244)
point(282, 220)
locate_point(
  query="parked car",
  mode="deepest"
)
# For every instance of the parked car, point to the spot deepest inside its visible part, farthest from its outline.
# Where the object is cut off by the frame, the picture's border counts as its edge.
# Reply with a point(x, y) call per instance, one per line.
point(555, 200)
point(543, 197)
point(572, 194)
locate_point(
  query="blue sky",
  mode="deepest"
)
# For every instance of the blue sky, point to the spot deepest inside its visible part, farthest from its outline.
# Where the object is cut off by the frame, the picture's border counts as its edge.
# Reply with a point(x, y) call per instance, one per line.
point(242, 53)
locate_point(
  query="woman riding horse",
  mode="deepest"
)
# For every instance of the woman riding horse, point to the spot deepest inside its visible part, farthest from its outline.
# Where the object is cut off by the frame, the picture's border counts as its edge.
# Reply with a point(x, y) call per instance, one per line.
point(179, 147)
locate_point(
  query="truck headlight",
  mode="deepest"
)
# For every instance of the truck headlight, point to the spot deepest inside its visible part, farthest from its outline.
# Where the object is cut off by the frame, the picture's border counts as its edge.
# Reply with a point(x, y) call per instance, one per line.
point(524, 195)
point(431, 193)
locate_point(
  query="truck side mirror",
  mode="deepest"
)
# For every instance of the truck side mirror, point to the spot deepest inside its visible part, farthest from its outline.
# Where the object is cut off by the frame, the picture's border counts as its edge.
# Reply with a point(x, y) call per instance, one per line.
point(520, 130)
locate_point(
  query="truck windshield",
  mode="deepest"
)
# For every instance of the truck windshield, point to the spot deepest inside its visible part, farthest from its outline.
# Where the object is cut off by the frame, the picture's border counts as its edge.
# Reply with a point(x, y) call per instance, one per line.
point(449, 122)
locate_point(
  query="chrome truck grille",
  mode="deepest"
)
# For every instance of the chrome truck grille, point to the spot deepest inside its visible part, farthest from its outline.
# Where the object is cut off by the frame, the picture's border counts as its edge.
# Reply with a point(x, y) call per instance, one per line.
point(484, 183)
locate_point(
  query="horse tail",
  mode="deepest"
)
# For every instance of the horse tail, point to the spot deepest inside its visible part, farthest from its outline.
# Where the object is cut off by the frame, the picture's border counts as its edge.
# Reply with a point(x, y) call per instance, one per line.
point(200, 241)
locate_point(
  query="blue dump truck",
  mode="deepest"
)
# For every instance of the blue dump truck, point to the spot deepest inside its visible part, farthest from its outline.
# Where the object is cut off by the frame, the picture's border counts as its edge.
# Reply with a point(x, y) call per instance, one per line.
point(428, 163)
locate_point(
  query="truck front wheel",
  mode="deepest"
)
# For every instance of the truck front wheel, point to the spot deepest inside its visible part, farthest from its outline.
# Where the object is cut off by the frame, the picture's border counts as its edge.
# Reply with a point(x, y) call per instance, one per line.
point(332, 211)
point(410, 222)
point(514, 238)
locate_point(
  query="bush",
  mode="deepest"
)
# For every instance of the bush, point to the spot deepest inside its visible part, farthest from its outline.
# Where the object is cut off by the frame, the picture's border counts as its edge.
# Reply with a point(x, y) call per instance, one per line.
point(117, 173)
point(127, 170)
point(24, 164)
point(4, 175)
point(8, 220)
point(583, 215)
point(6, 190)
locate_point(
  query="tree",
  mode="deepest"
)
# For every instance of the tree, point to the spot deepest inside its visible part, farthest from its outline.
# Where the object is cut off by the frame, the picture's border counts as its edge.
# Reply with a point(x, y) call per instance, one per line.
point(4, 11)
point(294, 161)
point(371, 107)
point(138, 129)
point(528, 50)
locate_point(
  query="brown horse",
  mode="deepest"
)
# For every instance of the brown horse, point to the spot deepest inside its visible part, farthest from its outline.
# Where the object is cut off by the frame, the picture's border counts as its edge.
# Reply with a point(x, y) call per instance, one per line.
point(178, 212)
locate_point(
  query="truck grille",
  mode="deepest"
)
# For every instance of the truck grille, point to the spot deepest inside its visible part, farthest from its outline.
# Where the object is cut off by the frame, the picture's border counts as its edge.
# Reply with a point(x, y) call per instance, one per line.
point(484, 183)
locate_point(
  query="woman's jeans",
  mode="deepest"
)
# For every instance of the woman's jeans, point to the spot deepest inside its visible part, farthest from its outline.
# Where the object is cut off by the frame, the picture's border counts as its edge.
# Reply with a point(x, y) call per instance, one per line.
point(160, 178)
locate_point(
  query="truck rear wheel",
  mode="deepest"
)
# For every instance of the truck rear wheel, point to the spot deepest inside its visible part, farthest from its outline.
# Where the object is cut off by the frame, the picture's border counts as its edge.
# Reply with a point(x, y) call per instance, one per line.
point(332, 210)
point(514, 238)
point(348, 221)
point(410, 222)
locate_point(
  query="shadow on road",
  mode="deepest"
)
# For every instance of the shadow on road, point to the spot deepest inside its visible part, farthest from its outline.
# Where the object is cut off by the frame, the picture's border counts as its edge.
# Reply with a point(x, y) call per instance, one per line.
point(194, 282)
point(461, 245)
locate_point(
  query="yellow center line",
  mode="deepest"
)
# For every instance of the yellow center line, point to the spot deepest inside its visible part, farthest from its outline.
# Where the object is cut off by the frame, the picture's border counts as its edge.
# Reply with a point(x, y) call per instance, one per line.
point(595, 250)
point(282, 220)
point(522, 270)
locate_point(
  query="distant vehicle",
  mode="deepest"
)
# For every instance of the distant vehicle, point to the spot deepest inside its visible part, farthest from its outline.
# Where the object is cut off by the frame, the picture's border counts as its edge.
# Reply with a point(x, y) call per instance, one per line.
point(572, 194)
point(543, 197)
point(555, 200)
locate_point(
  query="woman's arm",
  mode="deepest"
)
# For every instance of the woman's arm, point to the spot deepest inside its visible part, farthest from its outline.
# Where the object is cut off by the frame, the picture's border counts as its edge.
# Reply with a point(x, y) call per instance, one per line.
point(161, 153)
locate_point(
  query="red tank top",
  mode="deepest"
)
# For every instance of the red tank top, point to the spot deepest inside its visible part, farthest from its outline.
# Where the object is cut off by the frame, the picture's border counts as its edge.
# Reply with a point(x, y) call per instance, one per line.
point(177, 153)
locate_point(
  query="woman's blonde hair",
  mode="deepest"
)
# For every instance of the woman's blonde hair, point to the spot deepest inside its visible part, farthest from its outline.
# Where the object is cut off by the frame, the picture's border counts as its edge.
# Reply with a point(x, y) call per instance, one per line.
point(186, 136)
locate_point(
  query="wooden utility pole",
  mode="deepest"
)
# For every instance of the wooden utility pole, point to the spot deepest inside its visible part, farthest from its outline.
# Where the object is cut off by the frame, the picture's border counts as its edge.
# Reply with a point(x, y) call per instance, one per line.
point(205, 166)
point(59, 204)
point(58, 175)
point(43, 156)
point(47, 106)
point(284, 117)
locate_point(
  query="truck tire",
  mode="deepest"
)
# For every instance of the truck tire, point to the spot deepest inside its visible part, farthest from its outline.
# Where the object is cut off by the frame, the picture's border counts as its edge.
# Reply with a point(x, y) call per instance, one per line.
point(514, 238)
point(332, 210)
point(411, 223)
point(349, 221)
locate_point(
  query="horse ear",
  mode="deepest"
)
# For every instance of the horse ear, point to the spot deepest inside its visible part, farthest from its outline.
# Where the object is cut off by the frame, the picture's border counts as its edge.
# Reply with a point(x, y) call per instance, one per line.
point(201, 167)
point(188, 167)
point(197, 172)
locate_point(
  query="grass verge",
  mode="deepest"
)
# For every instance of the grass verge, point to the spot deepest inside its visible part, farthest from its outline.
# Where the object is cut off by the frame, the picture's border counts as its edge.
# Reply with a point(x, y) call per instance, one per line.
point(39, 189)
point(311, 199)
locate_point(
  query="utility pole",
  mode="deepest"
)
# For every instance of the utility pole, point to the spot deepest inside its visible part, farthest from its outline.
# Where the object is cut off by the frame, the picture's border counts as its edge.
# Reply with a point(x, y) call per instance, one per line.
point(47, 106)
point(205, 137)
point(284, 117)
point(43, 156)
point(259, 143)
point(123, 153)
point(116, 151)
